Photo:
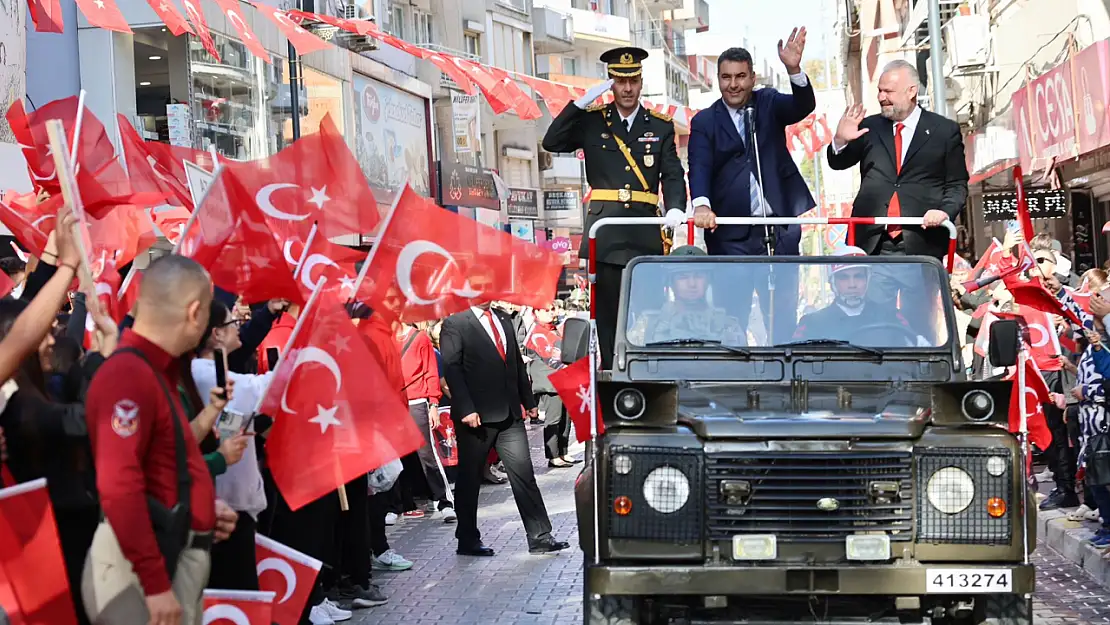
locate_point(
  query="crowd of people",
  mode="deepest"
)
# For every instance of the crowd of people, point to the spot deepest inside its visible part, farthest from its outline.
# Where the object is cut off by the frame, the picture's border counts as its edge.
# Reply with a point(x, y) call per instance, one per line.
point(101, 415)
point(1072, 360)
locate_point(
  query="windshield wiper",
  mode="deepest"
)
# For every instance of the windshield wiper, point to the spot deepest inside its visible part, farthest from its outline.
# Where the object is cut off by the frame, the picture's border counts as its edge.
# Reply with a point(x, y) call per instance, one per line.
point(834, 343)
point(701, 343)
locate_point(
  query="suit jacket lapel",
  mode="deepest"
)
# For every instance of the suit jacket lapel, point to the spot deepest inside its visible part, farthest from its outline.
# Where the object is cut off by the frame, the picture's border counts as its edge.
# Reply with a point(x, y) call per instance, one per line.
point(886, 137)
point(639, 122)
point(920, 136)
point(724, 118)
point(481, 329)
point(617, 124)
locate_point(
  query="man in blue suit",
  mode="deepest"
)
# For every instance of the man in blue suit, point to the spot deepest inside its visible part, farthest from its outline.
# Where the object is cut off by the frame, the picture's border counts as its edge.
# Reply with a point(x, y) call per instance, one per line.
point(725, 175)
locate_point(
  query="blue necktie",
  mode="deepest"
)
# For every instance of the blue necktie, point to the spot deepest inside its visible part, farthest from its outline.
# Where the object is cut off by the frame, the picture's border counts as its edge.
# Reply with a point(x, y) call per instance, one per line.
point(754, 196)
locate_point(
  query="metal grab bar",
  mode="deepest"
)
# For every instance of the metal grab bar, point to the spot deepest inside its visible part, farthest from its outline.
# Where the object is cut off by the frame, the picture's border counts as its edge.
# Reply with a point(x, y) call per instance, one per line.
point(760, 221)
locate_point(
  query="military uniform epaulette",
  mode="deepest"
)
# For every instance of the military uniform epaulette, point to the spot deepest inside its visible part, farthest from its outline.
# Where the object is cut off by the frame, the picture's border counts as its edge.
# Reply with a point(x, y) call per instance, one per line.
point(662, 116)
point(593, 108)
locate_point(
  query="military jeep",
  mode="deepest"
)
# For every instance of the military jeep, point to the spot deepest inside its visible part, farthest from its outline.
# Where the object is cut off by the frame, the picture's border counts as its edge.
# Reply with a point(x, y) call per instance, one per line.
point(830, 462)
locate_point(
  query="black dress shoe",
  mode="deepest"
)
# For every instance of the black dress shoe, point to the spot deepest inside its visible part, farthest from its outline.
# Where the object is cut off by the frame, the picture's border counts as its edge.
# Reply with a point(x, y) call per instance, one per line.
point(1060, 499)
point(478, 550)
point(547, 546)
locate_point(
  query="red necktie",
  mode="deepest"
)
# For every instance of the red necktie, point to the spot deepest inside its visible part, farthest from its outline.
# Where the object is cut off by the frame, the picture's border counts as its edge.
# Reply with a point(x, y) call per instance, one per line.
point(496, 334)
point(895, 208)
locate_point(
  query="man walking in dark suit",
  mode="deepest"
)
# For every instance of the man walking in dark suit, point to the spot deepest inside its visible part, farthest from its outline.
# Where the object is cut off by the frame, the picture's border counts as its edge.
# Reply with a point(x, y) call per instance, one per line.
point(629, 151)
point(485, 372)
point(912, 165)
point(725, 181)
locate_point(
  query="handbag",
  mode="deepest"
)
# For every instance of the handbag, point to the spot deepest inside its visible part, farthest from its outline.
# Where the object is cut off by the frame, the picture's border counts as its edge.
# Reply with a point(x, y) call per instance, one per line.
point(1098, 460)
point(171, 524)
point(445, 445)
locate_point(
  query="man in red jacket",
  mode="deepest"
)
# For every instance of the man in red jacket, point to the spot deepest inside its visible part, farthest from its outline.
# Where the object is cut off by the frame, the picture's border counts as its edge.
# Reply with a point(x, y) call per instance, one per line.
point(422, 392)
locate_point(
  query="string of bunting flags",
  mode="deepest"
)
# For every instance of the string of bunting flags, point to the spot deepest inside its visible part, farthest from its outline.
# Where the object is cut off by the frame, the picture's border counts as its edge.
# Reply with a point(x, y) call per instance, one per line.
point(501, 88)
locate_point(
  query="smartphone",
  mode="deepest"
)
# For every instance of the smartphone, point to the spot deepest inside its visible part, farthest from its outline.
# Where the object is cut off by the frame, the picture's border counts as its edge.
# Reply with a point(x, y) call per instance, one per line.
point(221, 371)
point(272, 355)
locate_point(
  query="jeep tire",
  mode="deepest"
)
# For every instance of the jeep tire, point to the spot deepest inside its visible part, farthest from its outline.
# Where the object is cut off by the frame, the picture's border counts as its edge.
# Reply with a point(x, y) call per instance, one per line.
point(1003, 610)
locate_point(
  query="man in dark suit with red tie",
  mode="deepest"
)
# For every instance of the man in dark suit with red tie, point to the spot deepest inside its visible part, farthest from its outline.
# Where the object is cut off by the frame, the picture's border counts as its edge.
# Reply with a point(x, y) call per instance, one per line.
point(911, 165)
point(489, 387)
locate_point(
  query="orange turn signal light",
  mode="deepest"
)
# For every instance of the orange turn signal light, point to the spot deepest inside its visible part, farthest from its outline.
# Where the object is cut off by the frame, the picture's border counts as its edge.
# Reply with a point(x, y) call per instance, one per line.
point(996, 507)
point(622, 505)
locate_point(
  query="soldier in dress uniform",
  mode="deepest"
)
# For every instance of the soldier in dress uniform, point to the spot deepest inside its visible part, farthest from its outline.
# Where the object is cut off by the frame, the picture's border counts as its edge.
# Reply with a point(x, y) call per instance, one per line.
point(690, 315)
point(630, 150)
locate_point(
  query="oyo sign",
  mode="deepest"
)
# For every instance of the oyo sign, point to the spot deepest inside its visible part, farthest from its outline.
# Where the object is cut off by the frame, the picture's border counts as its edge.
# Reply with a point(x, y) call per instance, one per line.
point(560, 245)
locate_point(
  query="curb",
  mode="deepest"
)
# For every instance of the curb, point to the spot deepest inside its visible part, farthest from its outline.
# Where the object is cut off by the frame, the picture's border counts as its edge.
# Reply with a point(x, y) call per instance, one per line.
point(1071, 539)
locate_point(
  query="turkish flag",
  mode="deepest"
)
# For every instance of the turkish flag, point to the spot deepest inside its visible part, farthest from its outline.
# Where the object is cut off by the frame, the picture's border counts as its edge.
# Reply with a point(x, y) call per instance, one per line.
point(200, 27)
point(429, 263)
point(231, 239)
point(1036, 395)
point(524, 105)
point(9, 605)
point(572, 383)
point(324, 260)
point(304, 41)
point(237, 607)
point(1044, 342)
point(104, 14)
point(94, 148)
point(154, 168)
point(991, 261)
point(31, 229)
point(1030, 293)
point(555, 95)
point(235, 15)
point(544, 340)
point(1024, 219)
point(31, 556)
point(287, 573)
point(314, 180)
point(170, 16)
point(327, 429)
point(47, 15)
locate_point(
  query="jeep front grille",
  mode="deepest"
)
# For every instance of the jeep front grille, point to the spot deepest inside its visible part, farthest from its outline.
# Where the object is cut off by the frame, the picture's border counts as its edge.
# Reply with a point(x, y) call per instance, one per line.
point(971, 525)
point(684, 525)
point(809, 496)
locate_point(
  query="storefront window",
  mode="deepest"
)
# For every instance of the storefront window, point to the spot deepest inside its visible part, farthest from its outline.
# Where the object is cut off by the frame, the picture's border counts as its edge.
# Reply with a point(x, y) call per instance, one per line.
point(228, 99)
point(320, 95)
point(391, 138)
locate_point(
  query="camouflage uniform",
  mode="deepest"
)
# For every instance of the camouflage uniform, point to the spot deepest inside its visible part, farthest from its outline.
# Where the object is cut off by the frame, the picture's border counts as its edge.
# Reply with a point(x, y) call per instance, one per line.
point(672, 322)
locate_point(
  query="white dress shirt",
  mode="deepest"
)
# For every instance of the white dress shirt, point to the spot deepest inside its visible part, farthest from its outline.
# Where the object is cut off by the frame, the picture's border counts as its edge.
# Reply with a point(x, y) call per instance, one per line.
point(496, 333)
point(909, 127)
point(627, 121)
point(800, 80)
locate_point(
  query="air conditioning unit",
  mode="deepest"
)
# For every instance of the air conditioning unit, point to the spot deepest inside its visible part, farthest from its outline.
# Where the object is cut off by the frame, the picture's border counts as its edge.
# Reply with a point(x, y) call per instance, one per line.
point(968, 41)
point(545, 160)
point(351, 41)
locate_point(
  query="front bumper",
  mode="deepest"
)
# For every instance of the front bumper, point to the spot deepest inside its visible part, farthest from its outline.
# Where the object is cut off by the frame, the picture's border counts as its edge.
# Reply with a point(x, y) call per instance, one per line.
point(782, 580)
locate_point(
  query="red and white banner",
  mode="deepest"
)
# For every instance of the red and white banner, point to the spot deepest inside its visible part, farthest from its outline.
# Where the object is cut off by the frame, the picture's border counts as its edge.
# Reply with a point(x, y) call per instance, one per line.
point(288, 574)
point(237, 607)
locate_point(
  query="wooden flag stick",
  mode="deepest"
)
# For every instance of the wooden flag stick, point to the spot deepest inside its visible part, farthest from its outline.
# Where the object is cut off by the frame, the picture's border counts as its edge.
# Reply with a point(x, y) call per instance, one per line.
point(64, 168)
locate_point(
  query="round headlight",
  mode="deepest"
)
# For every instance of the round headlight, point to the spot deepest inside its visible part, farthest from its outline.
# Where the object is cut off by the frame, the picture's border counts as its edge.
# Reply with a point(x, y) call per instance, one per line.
point(666, 489)
point(996, 465)
point(622, 464)
point(950, 490)
point(629, 404)
point(978, 405)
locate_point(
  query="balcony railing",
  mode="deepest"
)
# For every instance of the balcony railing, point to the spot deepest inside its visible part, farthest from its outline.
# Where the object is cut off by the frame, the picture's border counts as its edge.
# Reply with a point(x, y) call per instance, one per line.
point(656, 34)
point(558, 25)
point(445, 80)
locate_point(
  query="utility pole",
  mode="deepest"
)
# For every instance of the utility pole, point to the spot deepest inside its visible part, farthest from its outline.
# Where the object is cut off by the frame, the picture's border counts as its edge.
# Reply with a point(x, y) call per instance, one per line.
point(936, 60)
point(295, 90)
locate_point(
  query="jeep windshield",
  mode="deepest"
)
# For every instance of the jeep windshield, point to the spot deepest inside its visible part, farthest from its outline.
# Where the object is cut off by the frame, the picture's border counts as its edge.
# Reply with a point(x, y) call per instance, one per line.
point(862, 306)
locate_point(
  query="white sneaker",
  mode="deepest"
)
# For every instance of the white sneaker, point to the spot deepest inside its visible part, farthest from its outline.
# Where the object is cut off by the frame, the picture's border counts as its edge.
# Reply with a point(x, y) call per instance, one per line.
point(335, 612)
point(449, 515)
point(1080, 513)
point(1045, 476)
point(319, 616)
point(391, 561)
point(390, 518)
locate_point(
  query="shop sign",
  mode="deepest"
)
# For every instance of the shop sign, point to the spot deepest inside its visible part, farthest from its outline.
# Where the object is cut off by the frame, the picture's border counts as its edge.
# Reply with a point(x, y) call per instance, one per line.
point(523, 202)
point(560, 245)
point(391, 138)
point(467, 185)
point(560, 201)
point(523, 229)
point(996, 143)
point(1063, 113)
point(1043, 204)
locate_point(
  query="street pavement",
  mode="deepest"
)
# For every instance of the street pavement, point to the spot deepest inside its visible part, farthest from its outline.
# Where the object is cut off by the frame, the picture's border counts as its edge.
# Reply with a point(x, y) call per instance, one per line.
point(520, 589)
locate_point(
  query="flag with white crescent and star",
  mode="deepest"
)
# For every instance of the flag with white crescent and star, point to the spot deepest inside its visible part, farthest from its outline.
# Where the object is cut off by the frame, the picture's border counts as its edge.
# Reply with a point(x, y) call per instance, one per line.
point(572, 383)
point(289, 574)
point(328, 429)
point(237, 607)
point(429, 263)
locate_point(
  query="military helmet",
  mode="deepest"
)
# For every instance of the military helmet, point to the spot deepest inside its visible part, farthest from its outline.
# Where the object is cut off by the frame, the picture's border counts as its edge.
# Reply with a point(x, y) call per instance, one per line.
point(688, 250)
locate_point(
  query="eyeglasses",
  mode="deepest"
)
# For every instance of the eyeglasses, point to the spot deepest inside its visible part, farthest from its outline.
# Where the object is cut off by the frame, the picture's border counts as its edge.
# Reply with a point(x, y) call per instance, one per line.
point(1044, 259)
point(233, 322)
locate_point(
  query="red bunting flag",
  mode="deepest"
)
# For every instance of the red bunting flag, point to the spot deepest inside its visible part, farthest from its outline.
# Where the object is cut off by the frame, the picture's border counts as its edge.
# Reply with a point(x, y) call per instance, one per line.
point(572, 383)
point(47, 15)
point(104, 14)
point(235, 15)
point(304, 41)
point(170, 16)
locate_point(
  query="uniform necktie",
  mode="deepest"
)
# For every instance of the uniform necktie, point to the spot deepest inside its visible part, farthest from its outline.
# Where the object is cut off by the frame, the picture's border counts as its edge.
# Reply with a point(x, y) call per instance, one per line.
point(496, 334)
point(895, 208)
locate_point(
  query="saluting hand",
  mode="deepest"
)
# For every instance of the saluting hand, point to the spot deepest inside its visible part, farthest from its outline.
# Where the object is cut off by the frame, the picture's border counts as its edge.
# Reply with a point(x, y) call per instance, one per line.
point(848, 129)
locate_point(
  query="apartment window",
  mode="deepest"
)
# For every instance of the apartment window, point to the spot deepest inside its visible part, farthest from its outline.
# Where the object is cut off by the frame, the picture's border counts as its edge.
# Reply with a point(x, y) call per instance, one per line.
point(397, 22)
point(512, 49)
point(422, 22)
point(570, 66)
point(602, 71)
point(473, 44)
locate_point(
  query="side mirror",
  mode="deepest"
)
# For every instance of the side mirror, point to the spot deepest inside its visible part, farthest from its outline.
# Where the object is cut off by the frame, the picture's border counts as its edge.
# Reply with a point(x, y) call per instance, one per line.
point(576, 340)
point(1005, 342)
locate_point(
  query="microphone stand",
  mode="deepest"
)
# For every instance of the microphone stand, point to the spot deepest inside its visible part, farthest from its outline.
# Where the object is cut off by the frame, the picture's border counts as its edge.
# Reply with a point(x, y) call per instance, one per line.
point(768, 230)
